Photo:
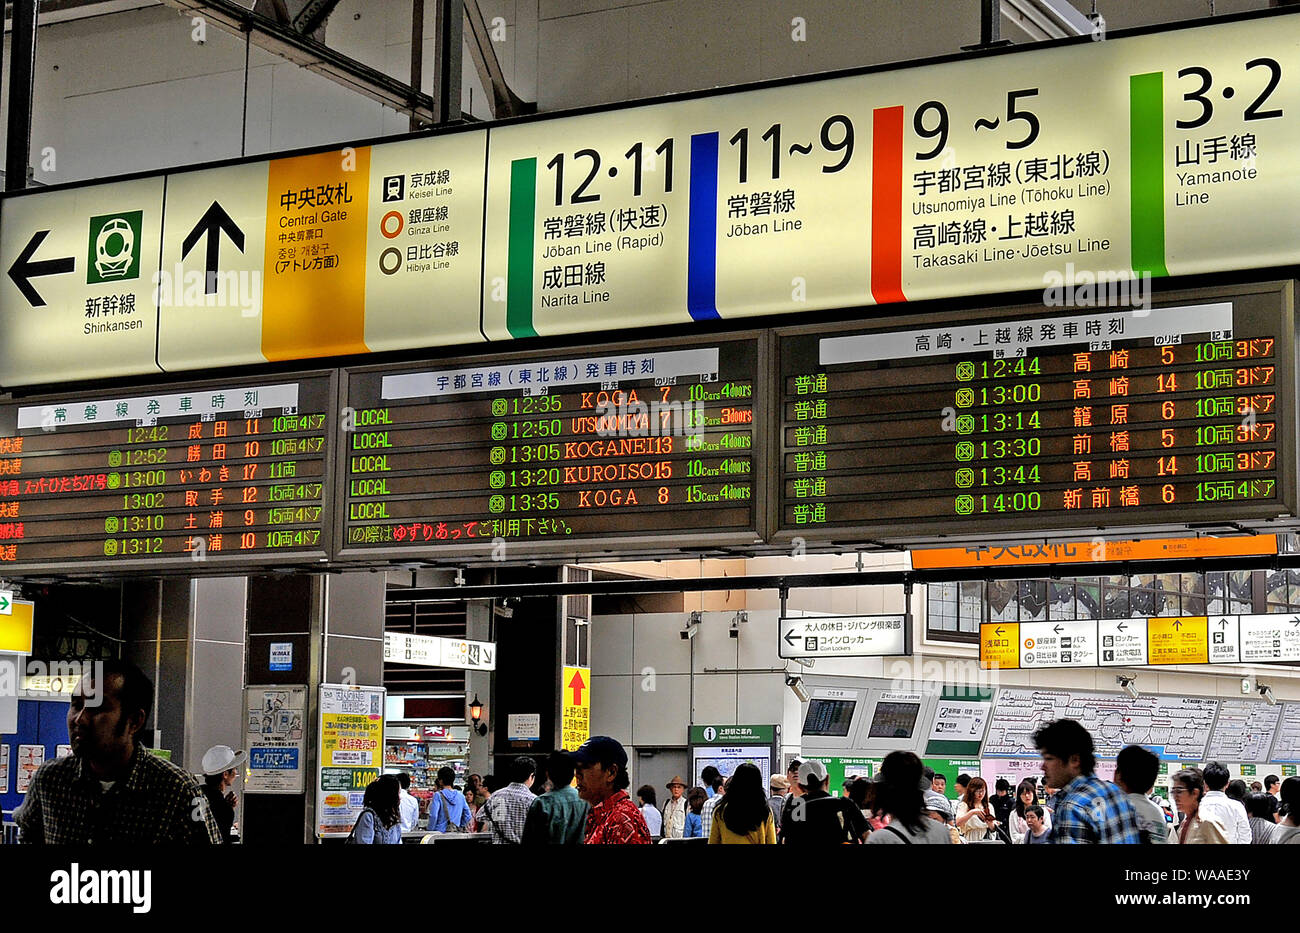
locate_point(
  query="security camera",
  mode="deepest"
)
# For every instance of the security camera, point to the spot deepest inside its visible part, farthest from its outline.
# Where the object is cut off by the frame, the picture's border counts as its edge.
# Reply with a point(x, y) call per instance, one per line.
point(1128, 685)
point(1267, 693)
point(795, 683)
point(806, 662)
point(692, 629)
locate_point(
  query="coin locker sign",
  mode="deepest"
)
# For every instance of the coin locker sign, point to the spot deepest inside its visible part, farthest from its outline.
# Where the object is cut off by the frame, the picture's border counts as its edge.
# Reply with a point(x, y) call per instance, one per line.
point(983, 175)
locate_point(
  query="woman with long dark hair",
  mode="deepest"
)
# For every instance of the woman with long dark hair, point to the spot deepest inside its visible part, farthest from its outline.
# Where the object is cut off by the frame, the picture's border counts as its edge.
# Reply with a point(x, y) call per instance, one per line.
point(901, 794)
point(743, 817)
point(380, 822)
point(1026, 796)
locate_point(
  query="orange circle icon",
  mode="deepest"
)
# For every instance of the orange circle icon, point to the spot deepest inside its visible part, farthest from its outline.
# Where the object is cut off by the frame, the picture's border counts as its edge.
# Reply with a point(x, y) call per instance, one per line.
point(1029, 643)
point(384, 226)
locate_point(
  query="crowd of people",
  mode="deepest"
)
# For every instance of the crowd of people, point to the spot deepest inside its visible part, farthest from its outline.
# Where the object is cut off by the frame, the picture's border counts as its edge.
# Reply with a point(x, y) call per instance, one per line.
point(110, 790)
point(905, 804)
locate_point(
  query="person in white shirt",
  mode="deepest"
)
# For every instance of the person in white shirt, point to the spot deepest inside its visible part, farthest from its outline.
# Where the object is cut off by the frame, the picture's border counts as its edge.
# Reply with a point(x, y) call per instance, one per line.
point(407, 805)
point(1218, 806)
point(675, 807)
point(654, 820)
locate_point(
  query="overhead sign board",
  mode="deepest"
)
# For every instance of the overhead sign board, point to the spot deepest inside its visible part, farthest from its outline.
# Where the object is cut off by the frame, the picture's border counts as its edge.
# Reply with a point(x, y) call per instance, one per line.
point(433, 651)
point(1133, 642)
point(1029, 553)
point(575, 706)
point(16, 628)
point(1015, 422)
point(202, 474)
point(868, 636)
point(921, 181)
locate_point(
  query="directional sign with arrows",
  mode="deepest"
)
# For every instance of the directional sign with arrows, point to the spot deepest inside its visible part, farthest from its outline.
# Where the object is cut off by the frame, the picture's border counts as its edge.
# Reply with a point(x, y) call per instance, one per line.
point(872, 636)
point(210, 227)
point(6, 602)
point(575, 706)
point(25, 268)
point(76, 294)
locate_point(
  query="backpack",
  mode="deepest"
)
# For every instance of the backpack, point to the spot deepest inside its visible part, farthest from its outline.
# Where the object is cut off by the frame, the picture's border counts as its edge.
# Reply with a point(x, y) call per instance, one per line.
point(452, 826)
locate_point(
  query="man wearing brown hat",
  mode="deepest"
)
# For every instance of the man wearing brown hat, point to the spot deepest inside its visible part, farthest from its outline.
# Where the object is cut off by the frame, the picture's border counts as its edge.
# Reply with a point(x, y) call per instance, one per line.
point(675, 809)
point(776, 800)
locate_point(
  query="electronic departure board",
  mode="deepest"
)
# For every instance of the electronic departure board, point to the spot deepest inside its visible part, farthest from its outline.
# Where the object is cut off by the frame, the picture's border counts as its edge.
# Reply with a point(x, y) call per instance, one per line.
point(600, 448)
point(192, 476)
point(1057, 418)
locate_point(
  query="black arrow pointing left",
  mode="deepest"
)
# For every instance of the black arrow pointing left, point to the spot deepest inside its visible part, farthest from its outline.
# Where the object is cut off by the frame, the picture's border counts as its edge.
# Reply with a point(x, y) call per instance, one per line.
point(23, 269)
point(214, 220)
point(788, 636)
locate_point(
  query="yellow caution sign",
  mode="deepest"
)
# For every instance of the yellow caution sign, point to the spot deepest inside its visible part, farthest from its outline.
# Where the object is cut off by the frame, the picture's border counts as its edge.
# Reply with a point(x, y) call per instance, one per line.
point(1000, 646)
point(16, 628)
point(1180, 640)
point(575, 707)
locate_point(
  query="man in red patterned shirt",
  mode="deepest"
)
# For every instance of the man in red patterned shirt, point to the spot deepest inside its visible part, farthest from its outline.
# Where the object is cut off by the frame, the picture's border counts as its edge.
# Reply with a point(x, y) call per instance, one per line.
point(601, 765)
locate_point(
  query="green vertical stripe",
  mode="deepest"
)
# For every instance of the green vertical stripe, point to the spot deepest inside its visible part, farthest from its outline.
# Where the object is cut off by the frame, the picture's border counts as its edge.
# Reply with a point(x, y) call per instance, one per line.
point(1147, 171)
point(523, 217)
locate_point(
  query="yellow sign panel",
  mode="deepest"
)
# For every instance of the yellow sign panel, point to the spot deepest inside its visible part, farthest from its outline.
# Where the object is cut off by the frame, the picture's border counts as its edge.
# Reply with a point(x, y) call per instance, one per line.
point(999, 646)
point(16, 629)
point(575, 707)
point(1178, 641)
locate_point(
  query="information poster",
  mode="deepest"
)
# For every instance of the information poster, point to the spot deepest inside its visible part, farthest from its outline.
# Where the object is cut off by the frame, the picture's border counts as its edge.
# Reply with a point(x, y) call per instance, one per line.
point(351, 740)
point(4, 768)
point(276, 740)
point(958, 727)
point(30, 759)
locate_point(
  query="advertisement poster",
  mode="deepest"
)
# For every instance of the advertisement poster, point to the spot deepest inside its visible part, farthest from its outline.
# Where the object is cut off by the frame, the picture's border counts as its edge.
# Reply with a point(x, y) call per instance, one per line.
point(62, 751)
point(4, 769)
point(351, 740)
point(276, 740)
point(30, 759)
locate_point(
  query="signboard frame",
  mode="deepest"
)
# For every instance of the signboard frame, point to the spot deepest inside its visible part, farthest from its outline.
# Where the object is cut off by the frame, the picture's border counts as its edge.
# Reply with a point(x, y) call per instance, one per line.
point(1034, 53)
point(227, 561)
point(623, 544)
point(941, 531)
point(786, 630)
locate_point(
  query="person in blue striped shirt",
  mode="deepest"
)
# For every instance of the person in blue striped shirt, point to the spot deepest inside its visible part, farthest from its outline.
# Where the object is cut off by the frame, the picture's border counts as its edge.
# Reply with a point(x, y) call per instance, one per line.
point(1086, 810)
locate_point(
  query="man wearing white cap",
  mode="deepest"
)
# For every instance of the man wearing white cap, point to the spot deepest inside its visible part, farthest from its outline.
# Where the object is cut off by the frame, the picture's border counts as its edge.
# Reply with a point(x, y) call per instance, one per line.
point(220, 768)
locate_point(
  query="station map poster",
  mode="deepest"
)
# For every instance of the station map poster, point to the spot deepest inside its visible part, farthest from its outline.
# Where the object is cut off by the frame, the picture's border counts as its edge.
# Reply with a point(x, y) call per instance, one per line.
point(185, 475)
point(969, 176)
point(1006, 421)
point(1243, 731)
point(276, 739)
point(351, 742)
point(1286, 747)
point(592, 449)
point(1172, 727)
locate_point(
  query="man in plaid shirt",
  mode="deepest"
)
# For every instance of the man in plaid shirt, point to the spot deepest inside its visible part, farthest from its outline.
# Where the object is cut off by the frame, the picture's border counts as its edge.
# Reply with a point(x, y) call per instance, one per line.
point(603, 781)
point(1086, 810)
point(111, 790)
point(507, 809)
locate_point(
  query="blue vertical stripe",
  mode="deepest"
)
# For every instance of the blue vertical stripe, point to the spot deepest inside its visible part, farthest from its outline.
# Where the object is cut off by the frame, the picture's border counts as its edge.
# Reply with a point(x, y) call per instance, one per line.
point(702, 261)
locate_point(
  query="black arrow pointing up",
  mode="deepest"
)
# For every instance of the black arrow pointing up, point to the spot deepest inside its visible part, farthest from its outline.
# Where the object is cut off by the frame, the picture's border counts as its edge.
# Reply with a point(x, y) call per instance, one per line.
point(24, 269)
point(214, 220)
point(1178, 626)
point(788, 635)
point(1223, 623)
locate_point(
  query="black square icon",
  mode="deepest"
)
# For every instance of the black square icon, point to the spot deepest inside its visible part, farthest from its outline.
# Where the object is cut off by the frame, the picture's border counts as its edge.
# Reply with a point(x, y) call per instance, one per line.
point(810, 643)
point(1107, 640)
point(394, 186)
point(1108, 656)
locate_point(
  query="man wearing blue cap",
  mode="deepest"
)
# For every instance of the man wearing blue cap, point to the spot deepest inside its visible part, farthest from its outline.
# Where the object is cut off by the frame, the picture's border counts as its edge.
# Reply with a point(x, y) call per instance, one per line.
point(615, 819)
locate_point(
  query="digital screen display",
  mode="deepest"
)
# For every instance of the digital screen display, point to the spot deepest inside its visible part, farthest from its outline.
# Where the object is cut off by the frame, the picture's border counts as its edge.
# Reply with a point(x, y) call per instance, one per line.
point(829, 717)
point(894, 720)
point(219, 472)
point(609, 444)
point(1077, 418)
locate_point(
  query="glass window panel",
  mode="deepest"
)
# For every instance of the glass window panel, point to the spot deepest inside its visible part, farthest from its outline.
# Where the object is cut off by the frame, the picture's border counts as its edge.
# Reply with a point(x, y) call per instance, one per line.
point(1088, 596)
point(1062, 604)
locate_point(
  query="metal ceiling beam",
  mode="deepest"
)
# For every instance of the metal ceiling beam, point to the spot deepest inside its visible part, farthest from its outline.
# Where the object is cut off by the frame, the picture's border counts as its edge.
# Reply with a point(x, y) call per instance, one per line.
point(848, 578)
point(281, 39)
point(504, 101)
point(1047, 19)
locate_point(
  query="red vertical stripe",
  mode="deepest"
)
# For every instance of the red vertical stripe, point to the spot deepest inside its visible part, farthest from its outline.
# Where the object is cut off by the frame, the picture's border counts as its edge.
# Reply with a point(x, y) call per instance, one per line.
point(887, 205)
